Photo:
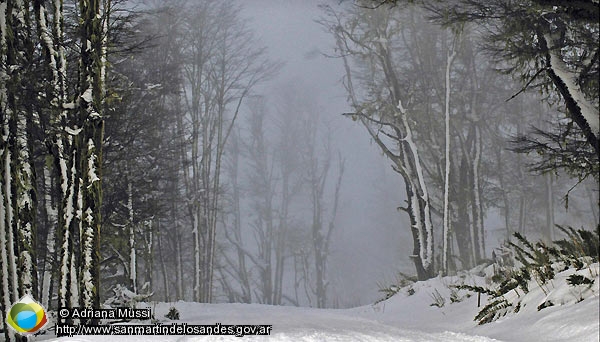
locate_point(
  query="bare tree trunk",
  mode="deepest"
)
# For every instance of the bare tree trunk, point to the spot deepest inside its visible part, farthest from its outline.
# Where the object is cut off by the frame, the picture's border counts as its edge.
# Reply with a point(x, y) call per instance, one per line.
point(446, 220)
point(297, 278)
point(549, 233)
point(462, 227)
point(51, 219)
point(281, 236)
point(321, 232)
point(25, 193)
point(177, 244)
point(581, 110)
point(522, 204)
point(594, 205)
point(242, 272)
point(262, 179)
point(66, 155)
point(7, 258)
point(505, 199)
point(148, 235)
point(521, 226)
point(406, 162)
point(91, 107)
point(17, 115)
point(67, 223)
point(163, 265)
point(131, 240)
point(179, 265)
point(477, 204)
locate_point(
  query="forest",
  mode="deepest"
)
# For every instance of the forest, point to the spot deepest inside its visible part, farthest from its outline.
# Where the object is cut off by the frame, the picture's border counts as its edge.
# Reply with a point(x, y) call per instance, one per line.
point(157, 151)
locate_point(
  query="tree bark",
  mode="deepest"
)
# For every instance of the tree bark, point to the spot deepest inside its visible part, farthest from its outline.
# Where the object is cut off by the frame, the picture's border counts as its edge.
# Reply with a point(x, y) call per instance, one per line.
point(91, 95)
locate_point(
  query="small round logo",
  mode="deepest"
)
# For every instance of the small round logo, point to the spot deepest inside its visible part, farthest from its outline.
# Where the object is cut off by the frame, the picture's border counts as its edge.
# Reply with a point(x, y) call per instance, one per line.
point(27, 316)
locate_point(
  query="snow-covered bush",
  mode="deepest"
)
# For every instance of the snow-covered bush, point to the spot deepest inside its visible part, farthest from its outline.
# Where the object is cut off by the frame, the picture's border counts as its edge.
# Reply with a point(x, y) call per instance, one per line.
point(536, 265)
point(123, 297)
point(173, 313)
point(403, 281)
point(438, 299)
point(455, 296)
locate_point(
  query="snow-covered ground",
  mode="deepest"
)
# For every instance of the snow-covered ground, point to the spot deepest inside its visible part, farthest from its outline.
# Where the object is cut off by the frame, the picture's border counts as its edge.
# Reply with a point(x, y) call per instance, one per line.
point(568, 320)
point(407, 316)
point(289, 324)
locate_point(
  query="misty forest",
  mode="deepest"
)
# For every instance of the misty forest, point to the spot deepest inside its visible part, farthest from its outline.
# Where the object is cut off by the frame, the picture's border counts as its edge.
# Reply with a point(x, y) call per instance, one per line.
point(424, 155)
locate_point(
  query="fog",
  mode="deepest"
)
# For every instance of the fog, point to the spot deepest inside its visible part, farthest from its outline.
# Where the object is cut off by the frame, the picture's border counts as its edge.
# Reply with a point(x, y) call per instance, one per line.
point(299, 195)
point(370, 234)
point(296, 153)
point(372, 241)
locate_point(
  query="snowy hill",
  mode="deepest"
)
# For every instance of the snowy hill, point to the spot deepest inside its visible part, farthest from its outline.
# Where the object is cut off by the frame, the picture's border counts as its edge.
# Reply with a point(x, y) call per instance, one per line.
point(407, 316)
point(568, 320)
